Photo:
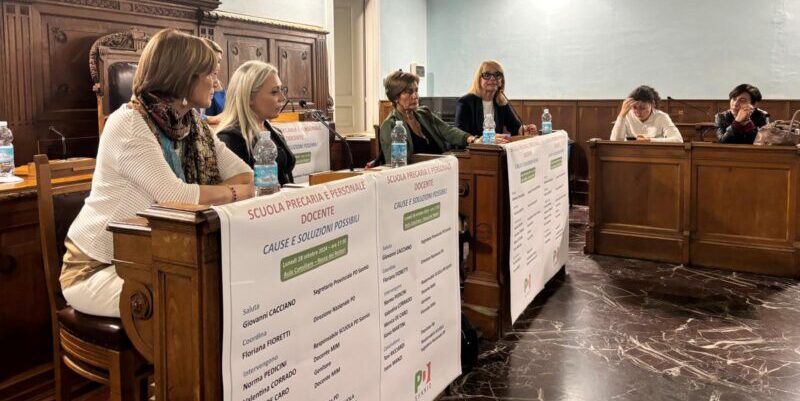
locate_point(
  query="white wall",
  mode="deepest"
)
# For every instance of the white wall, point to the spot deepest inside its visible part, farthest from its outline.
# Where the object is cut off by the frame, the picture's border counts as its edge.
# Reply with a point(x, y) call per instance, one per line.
point(600, 49)
point(404, 36)
point(311, 12)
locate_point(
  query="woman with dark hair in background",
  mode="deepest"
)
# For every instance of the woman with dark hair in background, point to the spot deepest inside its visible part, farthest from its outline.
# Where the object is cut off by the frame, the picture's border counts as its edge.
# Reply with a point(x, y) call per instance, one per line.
point(740, 124)
point(640, 120)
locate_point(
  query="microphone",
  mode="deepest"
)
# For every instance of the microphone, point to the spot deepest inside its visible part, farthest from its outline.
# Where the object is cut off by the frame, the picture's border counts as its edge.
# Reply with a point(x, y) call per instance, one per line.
point(63, 140)
point(285, 91)
point(671, 99)
point(286, 103)
point(514, 112)
point(320, 116)
point(703, 131)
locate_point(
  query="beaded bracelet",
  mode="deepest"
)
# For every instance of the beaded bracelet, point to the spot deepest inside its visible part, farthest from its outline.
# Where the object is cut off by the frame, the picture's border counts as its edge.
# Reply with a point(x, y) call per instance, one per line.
point(233, 192)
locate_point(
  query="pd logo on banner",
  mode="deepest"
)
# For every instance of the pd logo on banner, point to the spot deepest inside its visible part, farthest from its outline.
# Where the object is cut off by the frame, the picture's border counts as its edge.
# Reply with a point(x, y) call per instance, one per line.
point(422, 381)
point(526, 285)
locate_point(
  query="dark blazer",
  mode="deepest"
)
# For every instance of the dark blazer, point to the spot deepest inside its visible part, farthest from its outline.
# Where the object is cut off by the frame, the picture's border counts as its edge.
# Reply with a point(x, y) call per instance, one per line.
point(469, 116)
point(235, 141)
point(445, 136)
point(727, 133)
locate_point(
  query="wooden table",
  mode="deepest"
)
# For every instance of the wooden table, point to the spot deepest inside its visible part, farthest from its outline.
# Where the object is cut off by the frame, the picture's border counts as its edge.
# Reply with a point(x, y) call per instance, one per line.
point(726, 206)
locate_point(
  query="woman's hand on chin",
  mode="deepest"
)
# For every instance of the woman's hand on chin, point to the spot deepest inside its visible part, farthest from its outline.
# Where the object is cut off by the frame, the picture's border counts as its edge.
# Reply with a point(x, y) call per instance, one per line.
point(529, 130)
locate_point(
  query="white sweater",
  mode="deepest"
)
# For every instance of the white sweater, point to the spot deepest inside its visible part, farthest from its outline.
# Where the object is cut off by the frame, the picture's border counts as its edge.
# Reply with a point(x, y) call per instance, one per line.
point(131, 174)
point(658, 127)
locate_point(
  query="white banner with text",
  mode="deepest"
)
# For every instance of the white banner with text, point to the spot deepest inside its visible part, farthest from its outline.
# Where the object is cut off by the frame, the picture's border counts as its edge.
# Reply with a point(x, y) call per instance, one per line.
point(344, 291)
point(310, 143)
point(538, 186)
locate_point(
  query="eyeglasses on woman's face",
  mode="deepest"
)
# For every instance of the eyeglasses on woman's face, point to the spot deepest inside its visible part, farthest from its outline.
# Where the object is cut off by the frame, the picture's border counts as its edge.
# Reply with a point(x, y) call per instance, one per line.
point(497, 75)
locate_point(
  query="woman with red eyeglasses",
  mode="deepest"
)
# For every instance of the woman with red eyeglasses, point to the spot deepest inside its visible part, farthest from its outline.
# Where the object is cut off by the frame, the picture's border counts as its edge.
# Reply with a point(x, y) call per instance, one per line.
point(486, 96)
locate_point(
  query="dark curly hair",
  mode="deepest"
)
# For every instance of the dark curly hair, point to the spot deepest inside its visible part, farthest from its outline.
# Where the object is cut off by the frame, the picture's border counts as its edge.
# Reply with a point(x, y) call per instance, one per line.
point(645, 93)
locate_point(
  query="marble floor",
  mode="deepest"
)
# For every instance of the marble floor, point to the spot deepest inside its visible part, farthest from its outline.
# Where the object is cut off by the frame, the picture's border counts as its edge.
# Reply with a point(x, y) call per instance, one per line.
point(621, 329)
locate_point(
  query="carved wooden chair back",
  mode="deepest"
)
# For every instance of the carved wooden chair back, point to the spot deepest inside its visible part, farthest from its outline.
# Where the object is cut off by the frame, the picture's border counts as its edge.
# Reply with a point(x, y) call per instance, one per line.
point(112, 63)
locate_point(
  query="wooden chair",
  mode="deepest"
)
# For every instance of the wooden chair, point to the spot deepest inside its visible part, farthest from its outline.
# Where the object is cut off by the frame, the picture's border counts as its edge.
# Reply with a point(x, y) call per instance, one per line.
point(112, 63)
point(94, 347)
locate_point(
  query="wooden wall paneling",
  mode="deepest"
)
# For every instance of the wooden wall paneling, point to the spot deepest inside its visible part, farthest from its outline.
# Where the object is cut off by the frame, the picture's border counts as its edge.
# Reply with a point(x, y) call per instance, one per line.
point(241, 49)
point(690, 111)
point(3, 64)
point(593, 120)
point(686, 113)
point(777, 109)
point(296, 68)
point(50, 45)
point(303, 70)
point(323, 97)
point(563, 112)
point(794, 105)
point(18, 28)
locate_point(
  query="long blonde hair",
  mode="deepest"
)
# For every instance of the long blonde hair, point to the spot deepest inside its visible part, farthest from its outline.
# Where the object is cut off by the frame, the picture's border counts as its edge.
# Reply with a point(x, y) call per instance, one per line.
point(242, 88)
point(500, 96)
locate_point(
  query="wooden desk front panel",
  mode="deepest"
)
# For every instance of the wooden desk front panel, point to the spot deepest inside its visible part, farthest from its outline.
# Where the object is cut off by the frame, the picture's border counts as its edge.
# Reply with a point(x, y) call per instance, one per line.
point(724, 206)
point(643, 209)
point(482, 200)
point(745, 208)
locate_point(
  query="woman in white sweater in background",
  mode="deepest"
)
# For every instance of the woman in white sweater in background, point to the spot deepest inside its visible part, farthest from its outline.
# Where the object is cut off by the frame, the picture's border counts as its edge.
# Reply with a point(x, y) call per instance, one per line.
point(640, 120)
point(154, 149)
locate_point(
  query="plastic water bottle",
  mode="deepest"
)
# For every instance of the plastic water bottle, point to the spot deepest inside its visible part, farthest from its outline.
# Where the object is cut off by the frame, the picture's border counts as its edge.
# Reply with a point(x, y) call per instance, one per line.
point(488, 129)
point(265, 168)
point(399, 146)
point(6, 151)
point(547, 122)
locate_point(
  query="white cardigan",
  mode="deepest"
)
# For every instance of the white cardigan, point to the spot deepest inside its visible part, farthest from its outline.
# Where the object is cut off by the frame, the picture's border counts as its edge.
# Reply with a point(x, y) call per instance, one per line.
point(131, 174)
point(658, 127)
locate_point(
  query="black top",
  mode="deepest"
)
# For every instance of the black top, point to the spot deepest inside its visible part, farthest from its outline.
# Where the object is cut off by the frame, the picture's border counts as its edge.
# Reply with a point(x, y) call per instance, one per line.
point(469, 116)
point(235, 141)
point(426, 144)
point(728, 132)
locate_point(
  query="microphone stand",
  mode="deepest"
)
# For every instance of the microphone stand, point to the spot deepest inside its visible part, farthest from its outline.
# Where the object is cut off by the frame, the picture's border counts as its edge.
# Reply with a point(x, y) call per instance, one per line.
point(691, 106)
point(286, 104)
point(63, 140)
point(318, 116)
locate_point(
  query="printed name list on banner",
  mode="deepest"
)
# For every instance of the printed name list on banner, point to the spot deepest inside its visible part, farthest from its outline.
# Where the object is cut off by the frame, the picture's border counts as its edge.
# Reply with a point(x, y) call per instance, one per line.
point(539, 204)
point(309, 141)
point(300, 295)
point(419, 282)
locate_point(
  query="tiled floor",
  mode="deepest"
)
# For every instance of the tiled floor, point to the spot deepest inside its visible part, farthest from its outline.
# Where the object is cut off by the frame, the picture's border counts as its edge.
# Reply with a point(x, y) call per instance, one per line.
point(619, 329)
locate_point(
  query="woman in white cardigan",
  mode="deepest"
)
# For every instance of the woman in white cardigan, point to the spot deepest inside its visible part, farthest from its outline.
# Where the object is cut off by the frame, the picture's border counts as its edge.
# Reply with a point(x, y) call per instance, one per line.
point(154, 149)
point(640, 120)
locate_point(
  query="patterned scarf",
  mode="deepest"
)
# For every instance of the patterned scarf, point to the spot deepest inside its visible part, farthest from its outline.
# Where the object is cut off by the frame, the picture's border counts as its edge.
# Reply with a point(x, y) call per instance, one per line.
point(199, 159)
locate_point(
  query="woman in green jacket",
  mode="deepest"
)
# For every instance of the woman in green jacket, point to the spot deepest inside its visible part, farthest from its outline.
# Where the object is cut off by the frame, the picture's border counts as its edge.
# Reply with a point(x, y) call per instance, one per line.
point(427, 133)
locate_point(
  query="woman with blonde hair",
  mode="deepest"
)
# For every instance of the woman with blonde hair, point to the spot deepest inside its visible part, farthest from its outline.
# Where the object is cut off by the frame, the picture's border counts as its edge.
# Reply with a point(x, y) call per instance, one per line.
point(154, 149)
point(255, 95)
point(487, 96)
point(211, 114)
